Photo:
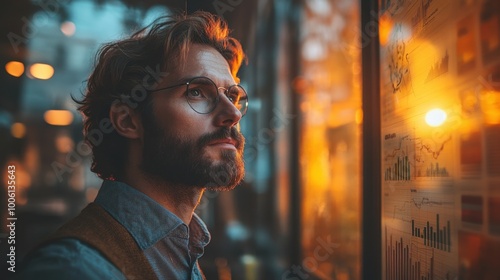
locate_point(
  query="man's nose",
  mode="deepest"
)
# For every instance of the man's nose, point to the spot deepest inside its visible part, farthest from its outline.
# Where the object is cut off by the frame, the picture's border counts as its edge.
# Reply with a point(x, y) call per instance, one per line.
point(226, 112)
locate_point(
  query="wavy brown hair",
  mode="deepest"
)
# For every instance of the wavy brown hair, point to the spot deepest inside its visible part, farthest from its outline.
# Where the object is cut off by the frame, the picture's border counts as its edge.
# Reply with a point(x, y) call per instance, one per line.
point(125, 70)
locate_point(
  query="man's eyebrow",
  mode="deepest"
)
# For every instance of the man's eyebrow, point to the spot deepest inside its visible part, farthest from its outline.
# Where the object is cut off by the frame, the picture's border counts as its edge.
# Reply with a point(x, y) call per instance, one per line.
point(178, 82)
point(226, 83)
point(184, 80)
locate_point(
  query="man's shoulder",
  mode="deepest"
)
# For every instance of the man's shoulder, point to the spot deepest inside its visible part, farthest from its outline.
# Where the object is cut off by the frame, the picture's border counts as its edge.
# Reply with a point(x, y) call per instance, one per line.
point(68, 258)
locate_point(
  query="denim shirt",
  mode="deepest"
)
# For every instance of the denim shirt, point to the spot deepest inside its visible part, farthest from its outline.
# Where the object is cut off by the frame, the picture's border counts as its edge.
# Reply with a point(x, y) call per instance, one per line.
point(171, 247)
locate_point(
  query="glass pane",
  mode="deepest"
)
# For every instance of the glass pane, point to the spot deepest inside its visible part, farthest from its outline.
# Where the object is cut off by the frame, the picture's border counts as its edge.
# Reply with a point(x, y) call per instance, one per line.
point(440, 95)
point(330, 148)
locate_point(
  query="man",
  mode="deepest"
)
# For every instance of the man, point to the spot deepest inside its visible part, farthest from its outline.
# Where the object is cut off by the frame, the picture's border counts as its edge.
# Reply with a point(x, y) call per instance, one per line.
point(168, 105)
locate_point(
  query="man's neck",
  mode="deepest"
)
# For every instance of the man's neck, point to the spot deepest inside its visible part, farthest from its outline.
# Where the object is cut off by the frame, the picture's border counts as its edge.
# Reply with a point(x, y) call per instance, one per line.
point(180, 200)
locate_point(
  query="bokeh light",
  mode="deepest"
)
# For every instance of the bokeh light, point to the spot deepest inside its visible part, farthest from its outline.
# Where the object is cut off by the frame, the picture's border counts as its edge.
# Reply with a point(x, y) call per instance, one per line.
point(435, 117)
point(64, 144)
point(58, 117)
point(41, 71)
point(68, 28)
point(14, 68)
point(18, 130)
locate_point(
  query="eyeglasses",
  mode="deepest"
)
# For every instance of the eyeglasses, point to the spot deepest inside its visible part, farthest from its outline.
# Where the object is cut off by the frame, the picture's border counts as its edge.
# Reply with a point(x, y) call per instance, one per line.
point(202, 94)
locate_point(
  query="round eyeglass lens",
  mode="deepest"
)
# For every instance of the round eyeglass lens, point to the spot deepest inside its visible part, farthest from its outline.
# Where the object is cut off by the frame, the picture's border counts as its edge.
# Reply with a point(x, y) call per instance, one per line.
point(239, 97)
point(202, 95)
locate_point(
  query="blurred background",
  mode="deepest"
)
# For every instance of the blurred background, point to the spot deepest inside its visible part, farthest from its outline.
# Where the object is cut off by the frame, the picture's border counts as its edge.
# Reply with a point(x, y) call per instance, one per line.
point(47, 52)
point(369, 121)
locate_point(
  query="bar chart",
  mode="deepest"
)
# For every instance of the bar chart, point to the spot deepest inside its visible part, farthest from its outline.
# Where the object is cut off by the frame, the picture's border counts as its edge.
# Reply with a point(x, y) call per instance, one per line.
point(434, 170)
point(440, 173)
point(409, 156)
point(405, 260)
point(397, 159)
point(399, 263)
point(400, 171)
point(433, 236)
point(419, 232)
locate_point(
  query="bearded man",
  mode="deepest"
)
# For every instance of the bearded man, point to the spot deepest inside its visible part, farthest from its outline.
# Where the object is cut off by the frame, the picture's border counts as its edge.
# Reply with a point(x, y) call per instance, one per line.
point(161, 113)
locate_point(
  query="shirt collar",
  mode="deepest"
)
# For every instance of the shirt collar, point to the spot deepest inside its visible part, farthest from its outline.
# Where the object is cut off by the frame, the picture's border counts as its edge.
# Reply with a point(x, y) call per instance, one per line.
point(145, 219)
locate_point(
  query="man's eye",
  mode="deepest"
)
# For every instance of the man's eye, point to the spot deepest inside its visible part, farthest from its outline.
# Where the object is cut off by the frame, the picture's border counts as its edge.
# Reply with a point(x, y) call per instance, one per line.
point(195, 93)
point(234, 98)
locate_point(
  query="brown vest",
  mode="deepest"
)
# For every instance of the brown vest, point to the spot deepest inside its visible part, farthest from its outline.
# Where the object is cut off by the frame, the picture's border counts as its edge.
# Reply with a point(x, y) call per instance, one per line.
point(101, 231)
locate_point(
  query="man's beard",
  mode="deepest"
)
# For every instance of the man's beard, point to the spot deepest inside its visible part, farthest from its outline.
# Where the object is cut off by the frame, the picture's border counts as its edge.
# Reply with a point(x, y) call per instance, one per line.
point(181, 162)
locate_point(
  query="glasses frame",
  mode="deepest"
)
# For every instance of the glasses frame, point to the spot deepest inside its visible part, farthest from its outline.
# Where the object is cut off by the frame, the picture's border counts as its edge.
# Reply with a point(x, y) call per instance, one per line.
point(226, 91)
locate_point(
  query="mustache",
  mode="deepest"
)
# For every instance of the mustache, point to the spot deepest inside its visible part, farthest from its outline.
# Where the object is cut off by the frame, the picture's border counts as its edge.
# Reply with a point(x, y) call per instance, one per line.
point(222, 134)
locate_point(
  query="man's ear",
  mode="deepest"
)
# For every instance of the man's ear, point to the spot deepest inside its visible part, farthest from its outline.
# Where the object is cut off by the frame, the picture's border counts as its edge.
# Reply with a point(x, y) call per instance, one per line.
point(125, 120)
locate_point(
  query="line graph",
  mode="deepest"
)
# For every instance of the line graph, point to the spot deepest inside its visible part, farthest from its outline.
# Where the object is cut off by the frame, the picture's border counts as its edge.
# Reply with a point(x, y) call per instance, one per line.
point(434, 153)
point(408, 157)
point(403, 212)
point(419, 231)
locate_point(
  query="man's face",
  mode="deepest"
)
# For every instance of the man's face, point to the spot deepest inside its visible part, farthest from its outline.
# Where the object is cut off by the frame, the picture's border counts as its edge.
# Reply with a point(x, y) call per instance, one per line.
point(184, 148)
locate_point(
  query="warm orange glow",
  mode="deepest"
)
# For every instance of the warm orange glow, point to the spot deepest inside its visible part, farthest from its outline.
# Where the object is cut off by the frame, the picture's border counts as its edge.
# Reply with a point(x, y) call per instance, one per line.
point(68, 28)
point(385, 28)
point(14, 68)
point(58, 117)
point(359, 116)
point(490, 104)
point(41, 71)
point(64, 144)
point(466, 42)
point(435, 117)
point(18, 130)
